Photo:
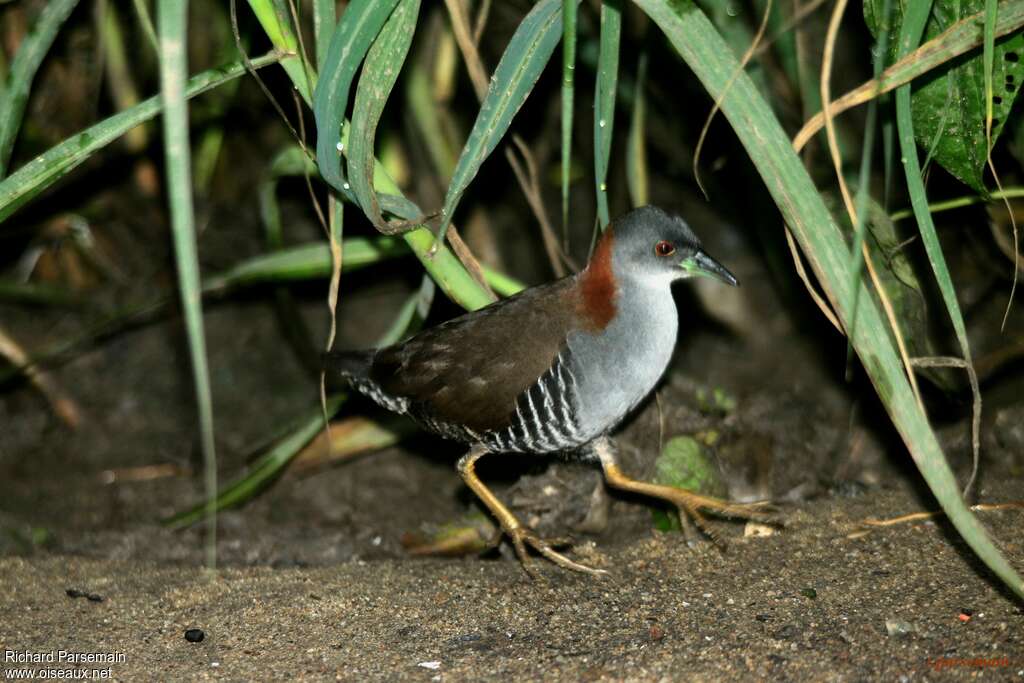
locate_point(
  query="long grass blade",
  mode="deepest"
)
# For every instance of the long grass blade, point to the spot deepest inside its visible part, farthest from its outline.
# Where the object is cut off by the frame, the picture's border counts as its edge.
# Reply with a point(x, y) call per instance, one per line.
point(604, 101)
point(520, 66)
point(697, 42)
point(172, 19)
point(914, 21)
point(323, 25)
point(278, 28)
point(380, 72)
point(267, 468)
point(636, 147)
point(37, 175)
point(568, 93)
point(23, 70)
point(355, 32)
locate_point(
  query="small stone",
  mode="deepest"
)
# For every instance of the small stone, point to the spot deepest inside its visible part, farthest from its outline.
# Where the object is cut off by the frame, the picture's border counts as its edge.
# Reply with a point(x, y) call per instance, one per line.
point(898, 627)
point(757, 530)
point(194, 635)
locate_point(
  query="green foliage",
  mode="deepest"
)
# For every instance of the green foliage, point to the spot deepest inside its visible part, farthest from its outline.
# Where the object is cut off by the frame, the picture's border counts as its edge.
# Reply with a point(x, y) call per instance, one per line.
point(684, 464)
point(949, 103)
point(383, 64)
point(521, 64)
point(15, 91)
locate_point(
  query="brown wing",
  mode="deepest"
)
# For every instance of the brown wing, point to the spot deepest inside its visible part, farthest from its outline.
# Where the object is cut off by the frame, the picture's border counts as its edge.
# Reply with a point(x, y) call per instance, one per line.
point(470, 370)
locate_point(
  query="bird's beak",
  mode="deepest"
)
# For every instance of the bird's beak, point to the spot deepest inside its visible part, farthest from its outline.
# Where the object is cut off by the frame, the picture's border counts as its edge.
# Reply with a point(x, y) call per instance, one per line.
point(702, 264)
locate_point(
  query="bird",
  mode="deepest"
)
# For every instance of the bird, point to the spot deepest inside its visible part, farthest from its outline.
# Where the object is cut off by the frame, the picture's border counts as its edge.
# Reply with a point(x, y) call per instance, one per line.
point(552, 369)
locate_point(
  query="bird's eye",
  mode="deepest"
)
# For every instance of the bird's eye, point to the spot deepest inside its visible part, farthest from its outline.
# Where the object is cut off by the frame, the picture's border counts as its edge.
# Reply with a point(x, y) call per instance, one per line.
point(664, 248)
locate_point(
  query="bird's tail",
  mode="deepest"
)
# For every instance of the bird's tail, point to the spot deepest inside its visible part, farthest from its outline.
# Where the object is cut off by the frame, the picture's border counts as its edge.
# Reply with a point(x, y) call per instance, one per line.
point(348, 364)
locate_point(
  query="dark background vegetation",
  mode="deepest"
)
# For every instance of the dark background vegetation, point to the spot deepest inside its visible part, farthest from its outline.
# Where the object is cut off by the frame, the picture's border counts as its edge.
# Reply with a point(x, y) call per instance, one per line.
point(99, 442)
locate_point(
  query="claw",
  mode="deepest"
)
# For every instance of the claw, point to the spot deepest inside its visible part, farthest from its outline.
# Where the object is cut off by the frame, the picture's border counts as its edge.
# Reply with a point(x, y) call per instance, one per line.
point(521, 537)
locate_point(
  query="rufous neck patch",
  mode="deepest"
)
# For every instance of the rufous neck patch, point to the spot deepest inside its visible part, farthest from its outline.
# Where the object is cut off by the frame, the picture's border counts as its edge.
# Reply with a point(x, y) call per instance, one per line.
point(598, 286)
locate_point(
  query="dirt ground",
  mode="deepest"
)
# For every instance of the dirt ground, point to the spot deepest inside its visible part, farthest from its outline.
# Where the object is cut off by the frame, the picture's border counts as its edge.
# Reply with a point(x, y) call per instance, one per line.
point(315, 582)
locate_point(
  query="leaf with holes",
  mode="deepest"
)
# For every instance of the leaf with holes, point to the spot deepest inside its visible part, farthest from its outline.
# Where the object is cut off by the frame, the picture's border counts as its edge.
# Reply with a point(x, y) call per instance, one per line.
point(949, 102)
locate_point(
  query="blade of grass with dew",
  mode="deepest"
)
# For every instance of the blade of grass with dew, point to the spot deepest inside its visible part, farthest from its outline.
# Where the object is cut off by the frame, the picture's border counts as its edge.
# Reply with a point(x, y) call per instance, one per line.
point(37, 175)
point(267, 468)
point(446, 269)
point(636, 146)
point(283, 38)
point(359, 25)
point(525, 57)
point(172, 19)
point(568, 93)
point(381, 69)
point(700, 46)
point(23, 69)
point(911, 31)
point(604, 101)
point(330, 99)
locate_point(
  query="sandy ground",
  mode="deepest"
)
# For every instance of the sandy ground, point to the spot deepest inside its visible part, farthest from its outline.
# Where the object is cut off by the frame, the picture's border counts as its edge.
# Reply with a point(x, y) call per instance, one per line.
point(809, 603)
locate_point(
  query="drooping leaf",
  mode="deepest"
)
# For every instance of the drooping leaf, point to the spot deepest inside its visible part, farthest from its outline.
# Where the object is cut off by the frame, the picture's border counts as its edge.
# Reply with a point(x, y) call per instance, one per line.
point(524, 59)
point(34, 177)
point(356, 31)
point(383, 64)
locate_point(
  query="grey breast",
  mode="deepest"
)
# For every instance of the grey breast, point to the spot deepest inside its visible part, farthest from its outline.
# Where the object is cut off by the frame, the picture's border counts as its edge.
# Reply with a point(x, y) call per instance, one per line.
point(620, 366)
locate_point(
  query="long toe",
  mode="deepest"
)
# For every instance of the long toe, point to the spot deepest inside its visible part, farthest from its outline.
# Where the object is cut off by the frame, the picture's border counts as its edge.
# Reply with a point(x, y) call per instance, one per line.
point(547, 549)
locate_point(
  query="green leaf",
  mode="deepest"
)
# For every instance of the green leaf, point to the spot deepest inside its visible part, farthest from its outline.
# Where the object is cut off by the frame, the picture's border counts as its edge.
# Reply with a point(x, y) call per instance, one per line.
point(380, 72)
point(46, 169)
point(275, 19)
point(356, 31)
point(568, 92)
point(636, 145)
point(770, 149)
point(521, 65)
point(949, 103)
point(900, 282)
point(23, 70)
point(306, 261)
point(604, 101)
point(172, 20)
point(265, 470)
point(683, 464)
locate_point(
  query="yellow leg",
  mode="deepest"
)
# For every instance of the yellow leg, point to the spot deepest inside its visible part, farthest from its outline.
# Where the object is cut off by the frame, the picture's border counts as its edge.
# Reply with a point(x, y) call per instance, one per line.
point(520, 535)
point(689, 503)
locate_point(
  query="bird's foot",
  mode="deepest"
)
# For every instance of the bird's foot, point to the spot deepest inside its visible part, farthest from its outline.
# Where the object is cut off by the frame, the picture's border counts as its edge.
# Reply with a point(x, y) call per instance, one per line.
point(522, 537)
point(692, 505)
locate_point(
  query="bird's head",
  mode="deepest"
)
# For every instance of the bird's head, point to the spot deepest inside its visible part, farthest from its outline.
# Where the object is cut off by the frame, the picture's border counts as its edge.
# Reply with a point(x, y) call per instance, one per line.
point(653, 246)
